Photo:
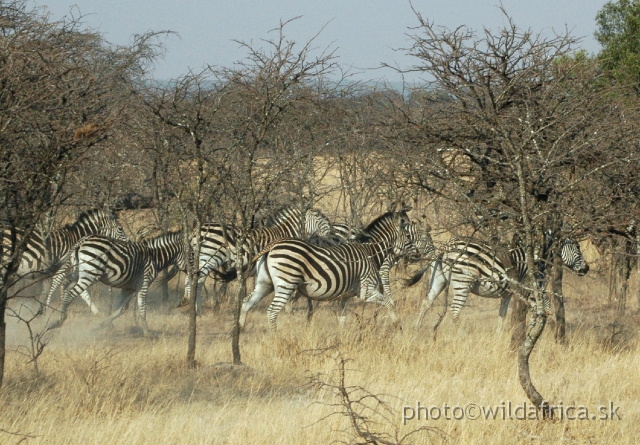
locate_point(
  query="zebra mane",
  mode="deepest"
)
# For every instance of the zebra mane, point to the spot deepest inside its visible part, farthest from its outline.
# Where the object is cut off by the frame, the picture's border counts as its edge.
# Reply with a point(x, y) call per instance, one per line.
point(153, 241)
point(319, 213)
point(365, 235)
point(285, 212)
point(278, 216)
point(89, 215)
point(326, 241)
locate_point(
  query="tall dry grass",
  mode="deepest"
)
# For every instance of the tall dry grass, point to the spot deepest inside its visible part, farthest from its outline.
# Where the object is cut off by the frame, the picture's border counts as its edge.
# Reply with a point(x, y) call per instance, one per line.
point(117, 387)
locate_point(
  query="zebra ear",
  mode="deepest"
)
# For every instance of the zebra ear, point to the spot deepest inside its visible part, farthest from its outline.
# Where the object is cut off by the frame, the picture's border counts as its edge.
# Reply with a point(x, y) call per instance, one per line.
point(405, 207)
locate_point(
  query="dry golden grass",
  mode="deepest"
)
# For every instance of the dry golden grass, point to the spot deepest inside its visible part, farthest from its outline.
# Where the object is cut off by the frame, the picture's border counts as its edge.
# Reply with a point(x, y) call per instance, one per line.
point(119, 388)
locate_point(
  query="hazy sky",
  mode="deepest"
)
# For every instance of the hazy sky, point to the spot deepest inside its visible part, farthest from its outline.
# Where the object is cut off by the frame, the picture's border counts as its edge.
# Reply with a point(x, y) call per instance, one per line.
point(364, 32)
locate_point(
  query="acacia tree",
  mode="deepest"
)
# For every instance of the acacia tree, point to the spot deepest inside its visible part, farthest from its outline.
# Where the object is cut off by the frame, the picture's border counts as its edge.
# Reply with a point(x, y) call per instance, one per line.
point(63, 89)
point(511, 132)
point(269, 145)
point(247, 143)
point(362, 162)
point(190, 106)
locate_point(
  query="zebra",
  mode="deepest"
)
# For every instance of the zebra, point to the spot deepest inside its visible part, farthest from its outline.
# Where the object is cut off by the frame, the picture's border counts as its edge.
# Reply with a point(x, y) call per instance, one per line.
point(477, 268)
point(217, 247)
point(129, 266)
point(345, 232)
point(44, 255)
point(327, 273)
point(424, 248)
point(418, 246)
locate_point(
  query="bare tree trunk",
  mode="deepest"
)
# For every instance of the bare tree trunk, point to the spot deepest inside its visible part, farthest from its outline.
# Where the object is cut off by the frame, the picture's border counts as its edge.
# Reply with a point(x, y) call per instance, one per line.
point(518, 320)
point(626, 267)
point(638, 269)
point(622, 302)
point(536, 327)
point(3, 333)
point(613, 278)
point(558, 299)
point(191, 346)
point(235, 333)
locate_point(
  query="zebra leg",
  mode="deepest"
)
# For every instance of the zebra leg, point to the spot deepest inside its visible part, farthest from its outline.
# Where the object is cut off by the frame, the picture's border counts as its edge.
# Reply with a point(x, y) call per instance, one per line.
point(86, 296)
point(56, 280)
point(309, 309)
point(283, 294)
point(121, 306)
point(438, 283)
point(342, 311)
point(186, 295)
point(142, 306)
point(76, 287)
point(460, 294)
point(187, 292)
point(504, 305)
point(261, 290)
point(384, 276)
point(263, 286)
point(186, 298)
point(199, 290)
point(385, 301)
point(289, 306)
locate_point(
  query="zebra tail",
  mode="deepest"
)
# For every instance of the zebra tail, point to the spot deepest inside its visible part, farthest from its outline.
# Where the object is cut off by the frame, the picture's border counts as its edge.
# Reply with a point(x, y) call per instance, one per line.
point(417, 276)
point(231, 274)
point(227, 276)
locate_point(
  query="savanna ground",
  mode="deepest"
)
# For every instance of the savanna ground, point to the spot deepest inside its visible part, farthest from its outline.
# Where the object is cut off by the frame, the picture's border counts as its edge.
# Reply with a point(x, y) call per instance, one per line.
point(116, 387)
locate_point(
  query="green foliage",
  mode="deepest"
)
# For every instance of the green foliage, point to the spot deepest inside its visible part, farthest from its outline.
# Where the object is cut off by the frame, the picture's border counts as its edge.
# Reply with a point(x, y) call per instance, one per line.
point(619, 34)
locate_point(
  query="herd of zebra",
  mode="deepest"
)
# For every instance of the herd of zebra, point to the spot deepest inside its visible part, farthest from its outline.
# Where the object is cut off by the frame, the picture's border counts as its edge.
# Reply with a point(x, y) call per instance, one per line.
point(293, 253)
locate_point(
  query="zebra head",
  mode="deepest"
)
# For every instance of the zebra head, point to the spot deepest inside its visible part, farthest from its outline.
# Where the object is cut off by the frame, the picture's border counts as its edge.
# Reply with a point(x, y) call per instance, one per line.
point(572, 257)
point(315, 223)
point(99, 222)
point(113, 229)
point(406, 236)
point(423, 242)
point(387, 228)
point(344, 231)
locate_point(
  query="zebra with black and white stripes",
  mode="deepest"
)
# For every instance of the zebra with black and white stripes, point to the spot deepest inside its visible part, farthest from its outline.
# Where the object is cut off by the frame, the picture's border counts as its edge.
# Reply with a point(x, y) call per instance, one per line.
point(474, 267)
point(327, 273)
point(418, 246)
point(129, 266)
point(218, 242)
point(421, 239)
point(345, 231)
point(44, 255)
